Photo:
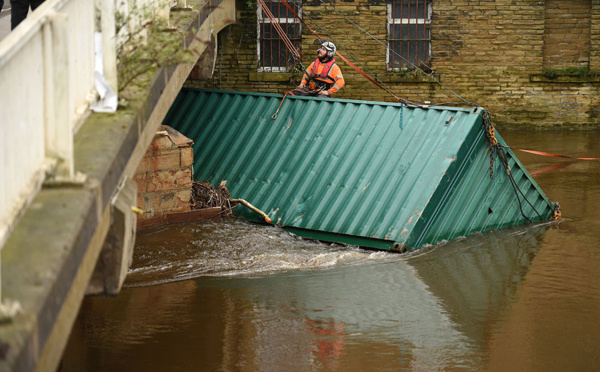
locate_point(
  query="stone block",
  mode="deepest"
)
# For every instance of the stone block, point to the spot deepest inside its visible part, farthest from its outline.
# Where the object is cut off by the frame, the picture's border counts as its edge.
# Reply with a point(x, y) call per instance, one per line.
point(166, 159)
point(141, 203)
point(159, 143)
point(183, 199)
point(178, 139)
point(142, 182)
point(169, 180)
point(161, 201)
point(187, 157)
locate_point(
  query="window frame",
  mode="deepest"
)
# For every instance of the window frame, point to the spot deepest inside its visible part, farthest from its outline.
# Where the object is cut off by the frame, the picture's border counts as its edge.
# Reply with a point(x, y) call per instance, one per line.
point(391, 21)
point(265, 20)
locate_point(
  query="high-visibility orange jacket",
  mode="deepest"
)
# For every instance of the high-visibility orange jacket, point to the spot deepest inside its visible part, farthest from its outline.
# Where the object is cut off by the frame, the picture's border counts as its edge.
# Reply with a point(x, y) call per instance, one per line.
point(332, 80)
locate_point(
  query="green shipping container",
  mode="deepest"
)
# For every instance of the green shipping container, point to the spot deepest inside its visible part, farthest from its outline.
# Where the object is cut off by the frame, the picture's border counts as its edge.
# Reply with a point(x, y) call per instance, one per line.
point(372, 174)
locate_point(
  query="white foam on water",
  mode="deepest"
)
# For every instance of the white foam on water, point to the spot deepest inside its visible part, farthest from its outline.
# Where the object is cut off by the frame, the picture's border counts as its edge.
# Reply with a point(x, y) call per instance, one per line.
point(233, 248)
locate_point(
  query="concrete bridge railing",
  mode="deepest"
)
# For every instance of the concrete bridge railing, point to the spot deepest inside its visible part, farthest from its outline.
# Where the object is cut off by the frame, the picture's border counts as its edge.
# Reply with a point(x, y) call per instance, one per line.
point(47, 69)
point(74, 236)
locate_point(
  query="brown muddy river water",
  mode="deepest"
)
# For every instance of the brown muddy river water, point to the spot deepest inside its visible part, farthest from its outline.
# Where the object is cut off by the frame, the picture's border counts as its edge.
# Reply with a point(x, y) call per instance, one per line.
point(233, 296)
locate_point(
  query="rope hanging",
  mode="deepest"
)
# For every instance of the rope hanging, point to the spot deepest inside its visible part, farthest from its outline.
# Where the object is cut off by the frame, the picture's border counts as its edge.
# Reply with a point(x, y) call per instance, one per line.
point(495, 148)
point(279, 30)
point(285, 3)
point(397, 54)
point(378, 84)
point(278, 108)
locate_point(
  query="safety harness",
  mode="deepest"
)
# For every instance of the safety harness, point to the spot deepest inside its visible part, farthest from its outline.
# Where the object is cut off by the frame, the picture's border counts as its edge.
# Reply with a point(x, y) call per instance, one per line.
point(318, 81)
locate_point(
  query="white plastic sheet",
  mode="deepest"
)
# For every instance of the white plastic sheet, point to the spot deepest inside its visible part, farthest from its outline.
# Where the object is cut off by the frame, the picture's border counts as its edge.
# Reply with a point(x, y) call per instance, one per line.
point(108, 98)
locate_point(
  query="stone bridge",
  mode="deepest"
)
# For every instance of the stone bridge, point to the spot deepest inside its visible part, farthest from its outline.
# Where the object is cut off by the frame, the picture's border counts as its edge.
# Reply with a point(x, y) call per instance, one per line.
point(67, 225)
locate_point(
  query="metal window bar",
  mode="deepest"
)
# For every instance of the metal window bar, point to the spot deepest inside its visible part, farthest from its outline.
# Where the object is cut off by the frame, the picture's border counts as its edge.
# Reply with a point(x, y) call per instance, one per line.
point(273, 55)
point(409, 34)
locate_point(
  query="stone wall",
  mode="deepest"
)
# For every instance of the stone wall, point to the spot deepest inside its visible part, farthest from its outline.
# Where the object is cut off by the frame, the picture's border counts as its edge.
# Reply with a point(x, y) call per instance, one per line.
point(567, 33)
point(500, 54)
point(595, 36)
point(164, 176)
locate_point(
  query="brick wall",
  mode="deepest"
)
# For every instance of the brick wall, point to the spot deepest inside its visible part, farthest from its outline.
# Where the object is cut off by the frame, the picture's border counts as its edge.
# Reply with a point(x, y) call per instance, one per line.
point(567, 33)
point(595, 36)
point(490, 52)
point(164, 176)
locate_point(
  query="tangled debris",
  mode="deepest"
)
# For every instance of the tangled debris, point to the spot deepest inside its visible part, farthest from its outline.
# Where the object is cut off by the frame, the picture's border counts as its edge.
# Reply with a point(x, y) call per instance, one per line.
point(205, 195)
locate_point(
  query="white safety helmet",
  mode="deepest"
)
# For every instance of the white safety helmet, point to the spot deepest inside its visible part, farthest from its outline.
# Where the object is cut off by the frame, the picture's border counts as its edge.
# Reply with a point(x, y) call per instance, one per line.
point(330, 47)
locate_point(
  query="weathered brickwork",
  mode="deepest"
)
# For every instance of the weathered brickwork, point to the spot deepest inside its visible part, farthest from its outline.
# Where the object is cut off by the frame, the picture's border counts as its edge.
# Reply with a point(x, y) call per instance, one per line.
point(489, 52)
point(164, 176)
point(567, 33)
point(595, 36)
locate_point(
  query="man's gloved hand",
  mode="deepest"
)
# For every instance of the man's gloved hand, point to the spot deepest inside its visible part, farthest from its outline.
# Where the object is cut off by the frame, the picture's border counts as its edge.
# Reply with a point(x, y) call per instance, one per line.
point(324, 93)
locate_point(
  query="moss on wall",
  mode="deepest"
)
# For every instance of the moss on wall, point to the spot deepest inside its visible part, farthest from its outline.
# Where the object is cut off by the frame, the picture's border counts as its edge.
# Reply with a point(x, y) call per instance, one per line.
point(490, 53)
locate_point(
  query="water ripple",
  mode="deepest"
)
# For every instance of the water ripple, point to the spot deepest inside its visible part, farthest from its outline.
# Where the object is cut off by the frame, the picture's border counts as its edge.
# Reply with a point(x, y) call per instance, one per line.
point(232, 247)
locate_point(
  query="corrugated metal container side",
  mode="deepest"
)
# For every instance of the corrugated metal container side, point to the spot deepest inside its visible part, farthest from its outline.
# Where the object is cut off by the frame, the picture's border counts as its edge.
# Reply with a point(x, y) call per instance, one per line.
point(469, 201)
point(356, 172)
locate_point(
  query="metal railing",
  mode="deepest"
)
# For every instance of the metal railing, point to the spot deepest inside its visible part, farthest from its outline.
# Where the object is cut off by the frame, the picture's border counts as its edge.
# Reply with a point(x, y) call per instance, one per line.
point(46, 90)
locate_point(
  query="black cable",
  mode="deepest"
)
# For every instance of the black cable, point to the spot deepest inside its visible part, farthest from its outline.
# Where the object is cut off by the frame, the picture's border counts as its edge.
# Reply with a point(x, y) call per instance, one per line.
point(503, 158)
point(431, 76)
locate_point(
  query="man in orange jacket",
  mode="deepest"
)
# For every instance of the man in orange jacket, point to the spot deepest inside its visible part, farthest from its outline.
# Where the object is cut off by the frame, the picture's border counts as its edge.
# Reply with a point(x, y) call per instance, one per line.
point(323, 77)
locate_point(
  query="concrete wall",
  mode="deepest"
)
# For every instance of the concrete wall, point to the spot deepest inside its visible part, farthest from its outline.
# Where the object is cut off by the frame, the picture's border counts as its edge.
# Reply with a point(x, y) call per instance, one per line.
point(164, 176)
point(493, 53)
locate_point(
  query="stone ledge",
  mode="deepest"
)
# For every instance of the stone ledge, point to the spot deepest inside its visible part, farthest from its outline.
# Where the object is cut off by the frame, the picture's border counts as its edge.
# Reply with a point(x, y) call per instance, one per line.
point(565, 79)
point(41, 265)
point(394, 77)
point(177, 217)
point(270, 76)
point(390, 77)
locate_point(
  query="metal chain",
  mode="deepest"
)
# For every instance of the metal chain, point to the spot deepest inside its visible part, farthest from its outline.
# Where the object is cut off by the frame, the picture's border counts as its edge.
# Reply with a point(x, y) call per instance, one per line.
point(490, 133)
point(556, 215)
point(491, 162)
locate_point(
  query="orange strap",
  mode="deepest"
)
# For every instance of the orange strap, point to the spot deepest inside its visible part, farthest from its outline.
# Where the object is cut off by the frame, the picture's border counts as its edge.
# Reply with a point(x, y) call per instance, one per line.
point(274, 116)
point(553, 155)
point(552, 168)
point(365, 75)
point(279, 30)
point(297, 16)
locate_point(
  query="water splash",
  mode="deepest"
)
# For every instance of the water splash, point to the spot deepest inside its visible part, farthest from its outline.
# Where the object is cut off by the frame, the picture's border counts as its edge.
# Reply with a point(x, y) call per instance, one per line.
point(232, 247)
